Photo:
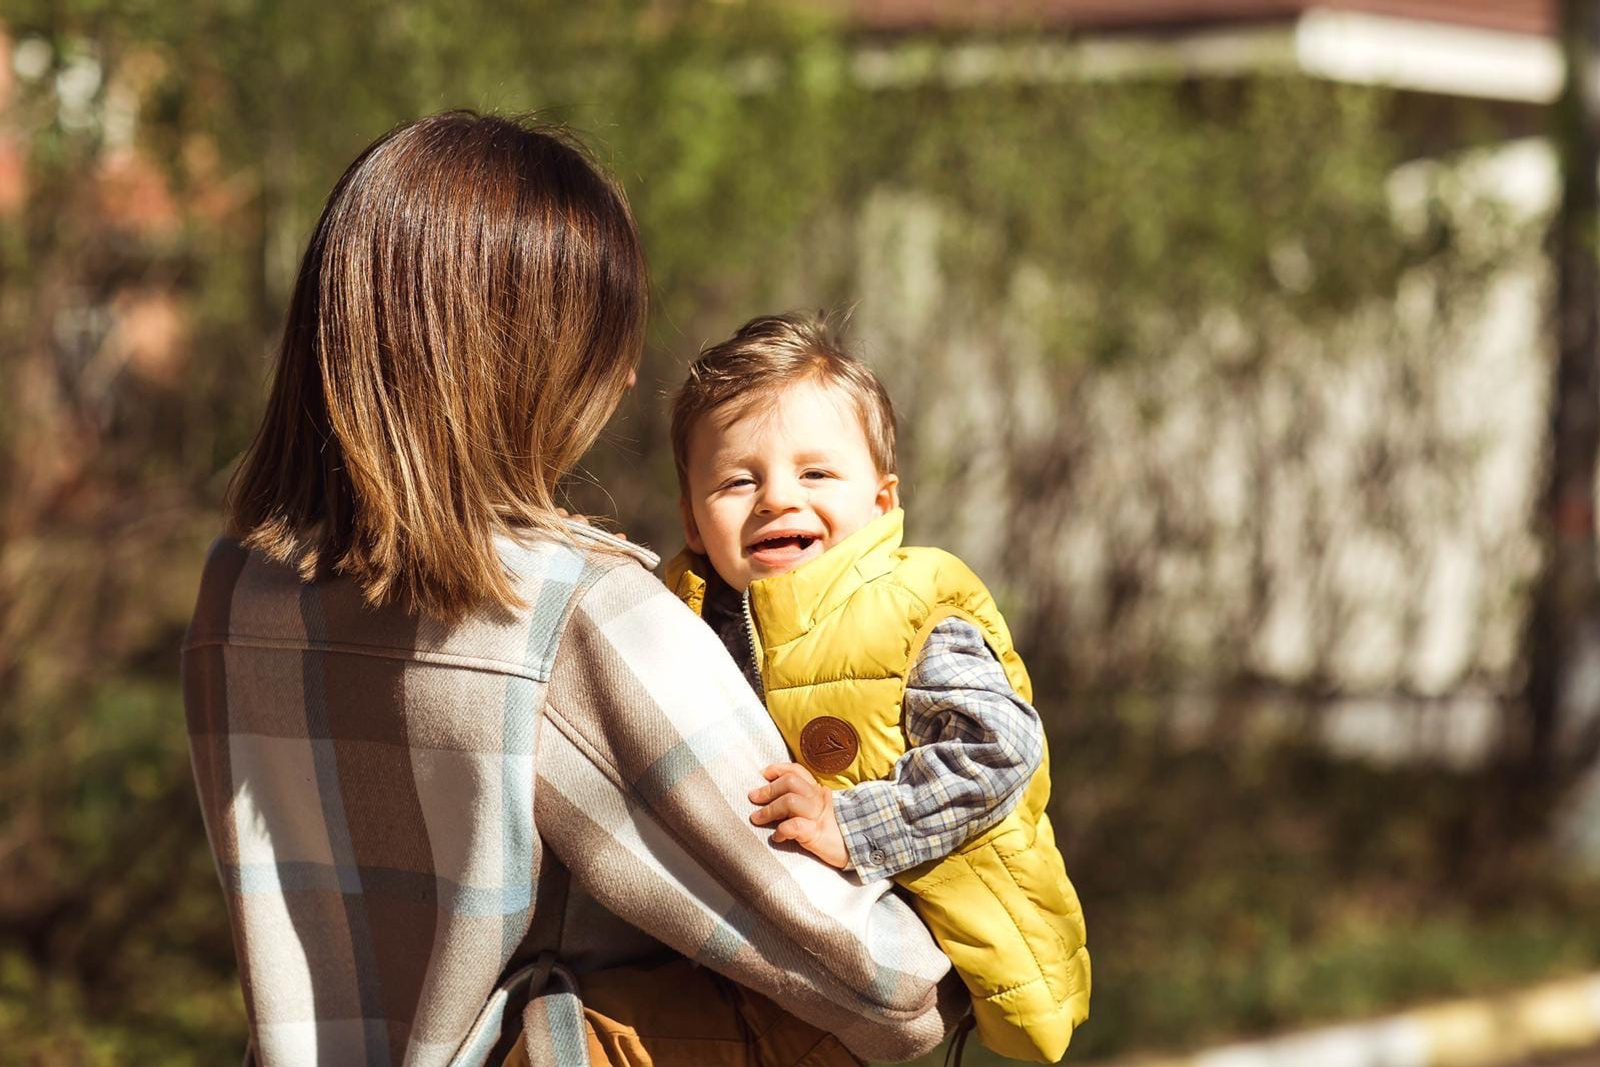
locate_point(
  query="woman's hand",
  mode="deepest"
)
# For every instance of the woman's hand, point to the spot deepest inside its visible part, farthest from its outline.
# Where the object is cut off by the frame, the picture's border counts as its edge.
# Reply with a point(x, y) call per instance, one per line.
point(803, 811)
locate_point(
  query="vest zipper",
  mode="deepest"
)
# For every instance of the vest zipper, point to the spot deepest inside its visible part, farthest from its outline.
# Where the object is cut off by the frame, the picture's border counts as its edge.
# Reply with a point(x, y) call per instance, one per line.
point(750, 637)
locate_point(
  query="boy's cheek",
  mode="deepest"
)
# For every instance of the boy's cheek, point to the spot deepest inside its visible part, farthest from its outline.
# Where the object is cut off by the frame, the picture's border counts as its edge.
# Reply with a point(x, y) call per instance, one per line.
point(721, 534)
point(691, 527)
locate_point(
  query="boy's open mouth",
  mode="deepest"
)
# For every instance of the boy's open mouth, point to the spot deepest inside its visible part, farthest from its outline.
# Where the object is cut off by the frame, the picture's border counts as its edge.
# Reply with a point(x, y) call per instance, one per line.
point(799, 542)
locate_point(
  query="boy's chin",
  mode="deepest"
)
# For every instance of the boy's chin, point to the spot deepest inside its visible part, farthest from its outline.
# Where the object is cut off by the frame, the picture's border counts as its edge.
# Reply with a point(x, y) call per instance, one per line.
point(769, 564)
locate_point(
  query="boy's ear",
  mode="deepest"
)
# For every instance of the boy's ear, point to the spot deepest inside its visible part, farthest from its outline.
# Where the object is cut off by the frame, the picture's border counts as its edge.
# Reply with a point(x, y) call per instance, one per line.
point(888, 493)
point(691, 532)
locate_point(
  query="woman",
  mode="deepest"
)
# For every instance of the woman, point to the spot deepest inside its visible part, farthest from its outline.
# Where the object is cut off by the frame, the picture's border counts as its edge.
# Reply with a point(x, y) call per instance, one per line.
point(417, 697)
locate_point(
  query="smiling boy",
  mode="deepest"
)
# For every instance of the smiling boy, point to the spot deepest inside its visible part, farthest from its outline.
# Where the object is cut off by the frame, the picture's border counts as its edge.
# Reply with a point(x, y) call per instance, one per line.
point(889, 670)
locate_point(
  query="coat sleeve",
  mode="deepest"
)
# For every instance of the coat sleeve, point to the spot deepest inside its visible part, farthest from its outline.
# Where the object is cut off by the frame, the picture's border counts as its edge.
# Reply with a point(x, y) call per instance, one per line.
point(651, 742)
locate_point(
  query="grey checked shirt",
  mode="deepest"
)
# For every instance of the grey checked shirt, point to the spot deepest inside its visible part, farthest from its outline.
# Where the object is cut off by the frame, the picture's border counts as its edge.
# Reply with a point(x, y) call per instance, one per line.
point(974, 745)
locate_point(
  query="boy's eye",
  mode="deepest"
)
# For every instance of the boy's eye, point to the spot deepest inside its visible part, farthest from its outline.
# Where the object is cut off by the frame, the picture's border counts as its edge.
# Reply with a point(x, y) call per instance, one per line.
point(815, 474)
point(735, 483)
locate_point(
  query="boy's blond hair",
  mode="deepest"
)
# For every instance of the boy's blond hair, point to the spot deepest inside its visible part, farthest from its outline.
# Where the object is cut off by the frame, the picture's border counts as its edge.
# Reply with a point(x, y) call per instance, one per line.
point(766, 355)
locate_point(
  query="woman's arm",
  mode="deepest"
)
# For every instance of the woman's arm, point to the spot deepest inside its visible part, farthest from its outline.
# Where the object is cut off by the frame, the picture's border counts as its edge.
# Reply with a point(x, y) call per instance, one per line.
point(651, 738)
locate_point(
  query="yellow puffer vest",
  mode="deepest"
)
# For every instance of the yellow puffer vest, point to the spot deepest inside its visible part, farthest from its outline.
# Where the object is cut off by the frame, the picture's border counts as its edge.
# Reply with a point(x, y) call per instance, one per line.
point(838, 636)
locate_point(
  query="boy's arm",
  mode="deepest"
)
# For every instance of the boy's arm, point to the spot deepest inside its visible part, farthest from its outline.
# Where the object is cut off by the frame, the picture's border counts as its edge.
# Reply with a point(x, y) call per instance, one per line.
point(976, 744)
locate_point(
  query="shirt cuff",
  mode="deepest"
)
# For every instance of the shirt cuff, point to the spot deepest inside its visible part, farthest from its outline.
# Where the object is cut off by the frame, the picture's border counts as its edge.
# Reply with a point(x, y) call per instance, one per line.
point(876, 841)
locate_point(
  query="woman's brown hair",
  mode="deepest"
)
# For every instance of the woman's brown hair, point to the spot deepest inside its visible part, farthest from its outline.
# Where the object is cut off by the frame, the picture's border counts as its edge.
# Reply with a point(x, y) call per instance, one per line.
point(469, 312)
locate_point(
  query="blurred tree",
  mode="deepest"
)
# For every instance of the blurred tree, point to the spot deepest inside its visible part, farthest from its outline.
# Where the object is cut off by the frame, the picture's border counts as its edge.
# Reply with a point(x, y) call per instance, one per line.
point(1559, 735)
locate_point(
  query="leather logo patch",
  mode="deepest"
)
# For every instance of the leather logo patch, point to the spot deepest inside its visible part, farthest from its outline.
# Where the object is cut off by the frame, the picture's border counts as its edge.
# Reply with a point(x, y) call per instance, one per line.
point(828, 745)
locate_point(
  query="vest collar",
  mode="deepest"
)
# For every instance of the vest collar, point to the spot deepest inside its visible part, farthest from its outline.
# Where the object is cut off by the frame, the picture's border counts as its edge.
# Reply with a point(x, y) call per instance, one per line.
point(788, 605)
point(686, 575)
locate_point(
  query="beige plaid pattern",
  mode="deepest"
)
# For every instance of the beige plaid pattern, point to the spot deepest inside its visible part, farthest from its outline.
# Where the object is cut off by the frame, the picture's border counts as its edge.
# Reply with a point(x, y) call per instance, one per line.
point(379, 793)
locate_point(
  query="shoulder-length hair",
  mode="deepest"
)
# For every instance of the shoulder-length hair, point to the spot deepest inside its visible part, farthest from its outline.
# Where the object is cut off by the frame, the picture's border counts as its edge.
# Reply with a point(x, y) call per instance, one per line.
point(468, 314)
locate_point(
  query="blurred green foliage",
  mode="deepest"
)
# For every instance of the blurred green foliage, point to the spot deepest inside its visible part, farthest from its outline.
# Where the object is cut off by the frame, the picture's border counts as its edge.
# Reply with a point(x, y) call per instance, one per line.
point(751, 140)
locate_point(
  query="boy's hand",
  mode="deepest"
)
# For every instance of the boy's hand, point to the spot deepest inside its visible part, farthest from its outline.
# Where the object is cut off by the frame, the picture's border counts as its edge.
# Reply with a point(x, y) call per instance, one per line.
point(803, 811)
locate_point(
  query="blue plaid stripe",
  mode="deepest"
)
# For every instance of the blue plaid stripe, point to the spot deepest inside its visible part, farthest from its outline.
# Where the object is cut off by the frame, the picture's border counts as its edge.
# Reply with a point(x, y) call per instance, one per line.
point(341, 842)
point(975, 745)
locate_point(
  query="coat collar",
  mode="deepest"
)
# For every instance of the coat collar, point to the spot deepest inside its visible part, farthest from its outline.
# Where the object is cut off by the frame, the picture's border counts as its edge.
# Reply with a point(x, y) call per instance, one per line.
point(583, 531)
point(788, 605)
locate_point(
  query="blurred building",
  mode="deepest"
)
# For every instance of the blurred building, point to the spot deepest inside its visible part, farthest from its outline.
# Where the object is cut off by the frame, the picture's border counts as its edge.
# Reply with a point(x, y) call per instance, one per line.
point(1495, 49)
point(1413, 671)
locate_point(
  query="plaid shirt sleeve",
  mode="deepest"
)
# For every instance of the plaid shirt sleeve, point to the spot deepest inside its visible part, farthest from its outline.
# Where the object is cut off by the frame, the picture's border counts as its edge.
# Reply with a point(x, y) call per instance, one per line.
point(651, 741)
point(975, 745)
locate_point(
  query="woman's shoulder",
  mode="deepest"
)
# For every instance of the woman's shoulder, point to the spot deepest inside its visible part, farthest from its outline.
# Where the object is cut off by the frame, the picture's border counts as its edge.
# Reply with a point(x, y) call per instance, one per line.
point(598, 549)
point(576, 555)
point(247, 598)
point(615, 582)
point(624, 616)
point(552, 574)
point(553, 571)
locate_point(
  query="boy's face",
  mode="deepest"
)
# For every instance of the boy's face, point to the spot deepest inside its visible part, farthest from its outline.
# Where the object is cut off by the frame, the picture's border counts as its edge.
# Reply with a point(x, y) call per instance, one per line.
point(781, 483)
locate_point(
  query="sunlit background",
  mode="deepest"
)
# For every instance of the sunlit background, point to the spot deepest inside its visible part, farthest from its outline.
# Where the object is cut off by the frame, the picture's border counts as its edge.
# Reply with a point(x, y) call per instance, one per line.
point(1246, 348)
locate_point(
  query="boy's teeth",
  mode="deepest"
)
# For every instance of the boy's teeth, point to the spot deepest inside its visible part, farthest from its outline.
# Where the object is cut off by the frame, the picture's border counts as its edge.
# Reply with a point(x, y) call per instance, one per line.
point(778, 542)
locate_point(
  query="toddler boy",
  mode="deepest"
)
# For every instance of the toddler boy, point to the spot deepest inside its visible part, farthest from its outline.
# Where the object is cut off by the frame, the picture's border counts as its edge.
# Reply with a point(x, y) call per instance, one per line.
point(889, 670)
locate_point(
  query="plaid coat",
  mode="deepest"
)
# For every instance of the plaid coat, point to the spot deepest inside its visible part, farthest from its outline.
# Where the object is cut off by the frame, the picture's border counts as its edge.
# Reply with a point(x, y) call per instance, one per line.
point(383, 794)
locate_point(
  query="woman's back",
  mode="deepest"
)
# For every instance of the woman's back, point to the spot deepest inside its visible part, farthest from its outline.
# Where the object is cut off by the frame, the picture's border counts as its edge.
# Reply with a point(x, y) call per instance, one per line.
point(379, 791)
point(368, 781)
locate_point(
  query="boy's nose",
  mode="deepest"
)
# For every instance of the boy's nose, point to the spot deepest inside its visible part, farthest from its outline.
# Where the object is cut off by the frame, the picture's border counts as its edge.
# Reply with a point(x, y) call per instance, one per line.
point(780, 494)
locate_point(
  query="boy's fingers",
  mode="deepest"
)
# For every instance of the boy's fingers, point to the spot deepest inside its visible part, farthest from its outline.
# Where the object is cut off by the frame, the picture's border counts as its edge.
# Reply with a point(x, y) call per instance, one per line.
point(777, 770)
point(797, 829)
point(777, 811)
point(786, 785)
point(763, 793)
point(786, 806)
